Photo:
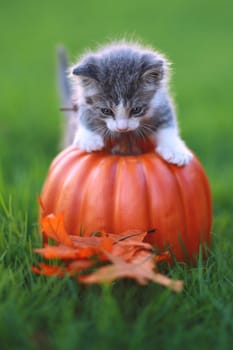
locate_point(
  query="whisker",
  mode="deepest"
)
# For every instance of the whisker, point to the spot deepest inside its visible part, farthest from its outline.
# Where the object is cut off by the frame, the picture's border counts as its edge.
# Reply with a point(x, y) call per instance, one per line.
point(150, 127)
point(140, 133)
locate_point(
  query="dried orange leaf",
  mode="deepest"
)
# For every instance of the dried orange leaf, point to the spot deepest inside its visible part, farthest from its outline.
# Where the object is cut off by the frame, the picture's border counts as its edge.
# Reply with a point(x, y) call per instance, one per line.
point(104, 241)
point(57, 252)
point(49, 270)
point(165, 256)
point(127, 254)
point(142, 270)
point(136, 235)
point(127, 249)
point(80, 265)
point(53, 227)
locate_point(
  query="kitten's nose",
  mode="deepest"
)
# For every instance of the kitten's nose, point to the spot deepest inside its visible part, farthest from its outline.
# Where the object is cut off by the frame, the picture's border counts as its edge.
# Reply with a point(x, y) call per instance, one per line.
point(122, 125)
point(122, 129)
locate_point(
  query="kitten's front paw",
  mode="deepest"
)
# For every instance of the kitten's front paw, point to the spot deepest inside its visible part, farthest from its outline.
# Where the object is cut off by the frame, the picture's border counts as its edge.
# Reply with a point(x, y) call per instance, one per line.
point(95, 143)
point(179, 155)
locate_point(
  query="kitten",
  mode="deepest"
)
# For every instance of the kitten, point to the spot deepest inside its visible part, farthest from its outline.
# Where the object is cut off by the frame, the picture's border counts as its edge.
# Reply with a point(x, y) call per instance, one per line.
point(123, 88)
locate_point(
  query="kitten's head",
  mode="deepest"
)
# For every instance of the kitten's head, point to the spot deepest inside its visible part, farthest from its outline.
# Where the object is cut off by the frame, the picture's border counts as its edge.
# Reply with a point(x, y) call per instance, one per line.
point(119, 82)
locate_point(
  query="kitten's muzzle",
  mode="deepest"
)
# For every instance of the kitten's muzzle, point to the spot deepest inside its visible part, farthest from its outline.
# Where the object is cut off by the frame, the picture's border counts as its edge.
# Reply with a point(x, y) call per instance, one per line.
point(122, 130)
point(122, 125)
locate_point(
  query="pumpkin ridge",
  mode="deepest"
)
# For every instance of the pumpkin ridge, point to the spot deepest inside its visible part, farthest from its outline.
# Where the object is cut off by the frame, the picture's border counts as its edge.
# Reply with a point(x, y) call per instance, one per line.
point(63, 154)
point(162, 212)
point(144, 166)
point(180, 235)
point(207, 191)
point(106, 176)
point(191, 192)
point(81, 187)
point(54, 181)
point(120, 163)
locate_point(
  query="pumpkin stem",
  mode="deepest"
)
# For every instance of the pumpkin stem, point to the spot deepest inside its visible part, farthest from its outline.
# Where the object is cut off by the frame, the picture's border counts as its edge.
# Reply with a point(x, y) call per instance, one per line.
point(128, 144)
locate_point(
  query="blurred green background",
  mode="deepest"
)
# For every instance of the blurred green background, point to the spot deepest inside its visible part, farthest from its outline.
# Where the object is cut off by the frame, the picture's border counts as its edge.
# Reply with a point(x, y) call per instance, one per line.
point(197, 37)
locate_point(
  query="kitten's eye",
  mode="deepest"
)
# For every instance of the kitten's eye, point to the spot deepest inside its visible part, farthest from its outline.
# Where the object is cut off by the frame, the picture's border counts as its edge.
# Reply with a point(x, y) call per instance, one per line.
point(106, 111)
point(136, 110)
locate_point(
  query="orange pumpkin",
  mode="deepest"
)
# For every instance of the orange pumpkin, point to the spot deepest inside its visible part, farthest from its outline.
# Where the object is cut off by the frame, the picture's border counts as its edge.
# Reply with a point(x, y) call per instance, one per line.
point(100, 191)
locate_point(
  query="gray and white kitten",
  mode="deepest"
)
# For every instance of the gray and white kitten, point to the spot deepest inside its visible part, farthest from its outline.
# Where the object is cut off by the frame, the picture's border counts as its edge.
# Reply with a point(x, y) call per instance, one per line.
point(123, 88)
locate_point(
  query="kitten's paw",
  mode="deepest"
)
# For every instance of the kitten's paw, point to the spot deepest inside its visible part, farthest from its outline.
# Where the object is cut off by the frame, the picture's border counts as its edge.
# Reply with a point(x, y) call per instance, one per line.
point(95, 143)
point(178, 155)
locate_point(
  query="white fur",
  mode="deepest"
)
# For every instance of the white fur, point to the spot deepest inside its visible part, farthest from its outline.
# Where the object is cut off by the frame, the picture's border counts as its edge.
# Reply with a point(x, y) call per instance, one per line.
point(171, 148)
point(88, 140)
point(122, 122)
point(159, 98)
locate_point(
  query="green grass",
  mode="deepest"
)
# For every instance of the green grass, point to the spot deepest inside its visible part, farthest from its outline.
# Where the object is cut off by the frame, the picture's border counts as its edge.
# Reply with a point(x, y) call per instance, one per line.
point(50, 313)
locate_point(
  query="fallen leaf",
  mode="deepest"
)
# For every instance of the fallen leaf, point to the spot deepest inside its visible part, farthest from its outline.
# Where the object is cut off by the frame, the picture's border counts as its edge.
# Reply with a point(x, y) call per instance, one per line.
point(57, 252)
point(49, 270)
point(53, 227)
point(109, 256)
point(141, 269)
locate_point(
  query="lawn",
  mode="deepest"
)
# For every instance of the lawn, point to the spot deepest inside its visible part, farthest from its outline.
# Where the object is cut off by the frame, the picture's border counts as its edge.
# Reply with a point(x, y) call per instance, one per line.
point(49, 313)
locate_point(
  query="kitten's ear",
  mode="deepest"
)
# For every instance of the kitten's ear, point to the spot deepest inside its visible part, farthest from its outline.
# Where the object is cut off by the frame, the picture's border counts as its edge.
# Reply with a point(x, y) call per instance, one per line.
point(87, 72)
point(153, 73)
